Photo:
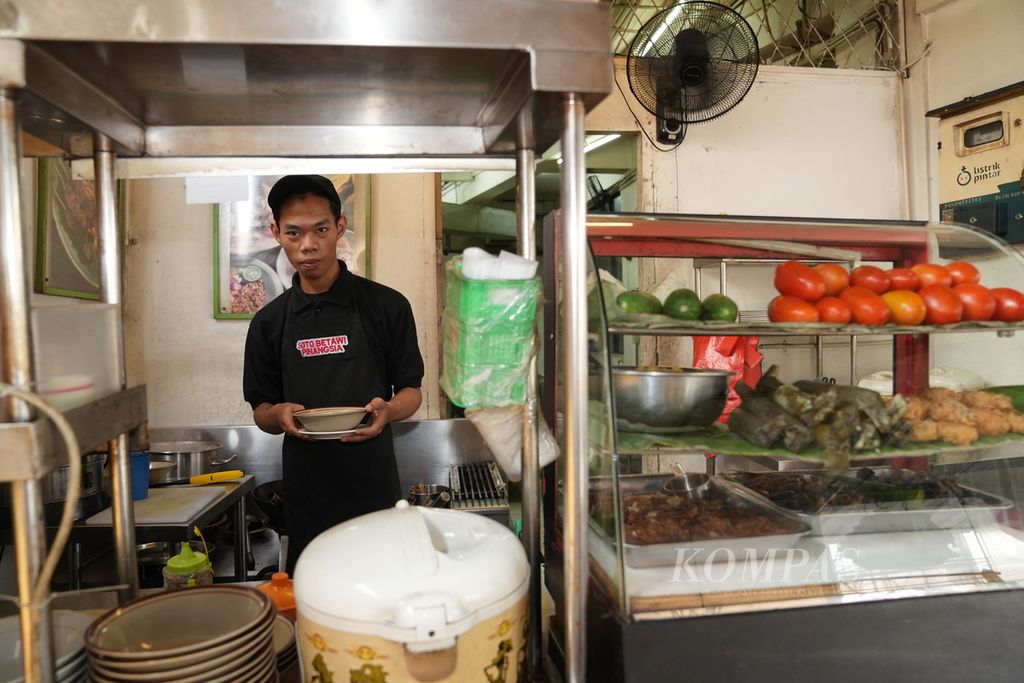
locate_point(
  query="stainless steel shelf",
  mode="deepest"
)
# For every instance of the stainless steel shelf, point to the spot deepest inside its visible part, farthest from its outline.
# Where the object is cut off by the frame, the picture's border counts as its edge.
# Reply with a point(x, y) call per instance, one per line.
point(355, 78)
point(30, 449)
point(810, 329)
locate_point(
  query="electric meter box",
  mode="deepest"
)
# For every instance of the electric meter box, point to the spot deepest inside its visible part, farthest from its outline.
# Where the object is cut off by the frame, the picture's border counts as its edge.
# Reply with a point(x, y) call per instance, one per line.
point(981, 163)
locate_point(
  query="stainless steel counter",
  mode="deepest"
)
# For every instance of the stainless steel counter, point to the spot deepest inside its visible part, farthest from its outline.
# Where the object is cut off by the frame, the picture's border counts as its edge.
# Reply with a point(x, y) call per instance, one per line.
point(424, 449)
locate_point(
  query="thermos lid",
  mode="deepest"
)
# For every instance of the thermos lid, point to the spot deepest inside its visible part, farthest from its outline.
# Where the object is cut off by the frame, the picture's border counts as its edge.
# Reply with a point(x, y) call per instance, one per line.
point(187, 561)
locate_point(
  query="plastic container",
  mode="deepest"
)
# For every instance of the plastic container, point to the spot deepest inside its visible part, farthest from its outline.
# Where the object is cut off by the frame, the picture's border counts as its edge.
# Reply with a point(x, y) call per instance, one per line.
point(187, 569)
point(487, 338)
point(282, 592)
point(75, 351)
point(140, 476)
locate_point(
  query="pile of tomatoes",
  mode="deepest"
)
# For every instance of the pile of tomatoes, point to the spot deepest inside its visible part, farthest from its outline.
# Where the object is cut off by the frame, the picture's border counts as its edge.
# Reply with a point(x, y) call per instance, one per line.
point(926, 293)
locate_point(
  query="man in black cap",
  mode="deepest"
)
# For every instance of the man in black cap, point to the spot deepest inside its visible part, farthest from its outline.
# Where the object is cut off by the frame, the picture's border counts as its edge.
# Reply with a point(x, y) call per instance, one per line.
point(333, 339)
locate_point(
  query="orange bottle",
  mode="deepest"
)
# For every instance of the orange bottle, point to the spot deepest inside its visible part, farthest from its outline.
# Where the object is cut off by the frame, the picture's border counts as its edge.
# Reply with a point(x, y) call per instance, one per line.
point(280, 590)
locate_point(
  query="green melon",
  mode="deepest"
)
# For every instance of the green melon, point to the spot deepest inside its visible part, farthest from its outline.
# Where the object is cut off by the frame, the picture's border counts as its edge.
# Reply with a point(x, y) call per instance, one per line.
point(635, 301)
point(682, 304)
point(719, 307)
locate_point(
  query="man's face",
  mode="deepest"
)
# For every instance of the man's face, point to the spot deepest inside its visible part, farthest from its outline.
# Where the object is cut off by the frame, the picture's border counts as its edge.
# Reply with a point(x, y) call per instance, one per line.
point(309, 235)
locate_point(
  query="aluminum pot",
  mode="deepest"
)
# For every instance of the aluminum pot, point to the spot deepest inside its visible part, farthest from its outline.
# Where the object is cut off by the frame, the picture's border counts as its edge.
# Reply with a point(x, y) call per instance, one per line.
point(54, 484)
point(190, 457)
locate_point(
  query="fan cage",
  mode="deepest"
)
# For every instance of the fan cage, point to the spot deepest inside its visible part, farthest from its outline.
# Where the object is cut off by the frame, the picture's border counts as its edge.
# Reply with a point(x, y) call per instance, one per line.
point(731, 68)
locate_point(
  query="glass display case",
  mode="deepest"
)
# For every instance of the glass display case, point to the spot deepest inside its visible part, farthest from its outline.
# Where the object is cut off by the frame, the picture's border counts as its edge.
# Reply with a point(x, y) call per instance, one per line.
point(807, 494)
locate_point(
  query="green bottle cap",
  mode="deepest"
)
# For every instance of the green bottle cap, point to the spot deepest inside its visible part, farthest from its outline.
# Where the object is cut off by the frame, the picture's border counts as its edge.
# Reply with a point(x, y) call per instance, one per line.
point(187, 562)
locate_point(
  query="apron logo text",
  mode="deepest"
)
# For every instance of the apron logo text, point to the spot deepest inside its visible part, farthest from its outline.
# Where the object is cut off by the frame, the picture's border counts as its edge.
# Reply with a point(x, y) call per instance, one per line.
point(322, 346)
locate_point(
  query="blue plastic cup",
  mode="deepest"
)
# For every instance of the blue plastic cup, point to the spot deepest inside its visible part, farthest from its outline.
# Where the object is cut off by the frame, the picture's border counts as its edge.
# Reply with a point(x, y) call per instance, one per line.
point(140, 476)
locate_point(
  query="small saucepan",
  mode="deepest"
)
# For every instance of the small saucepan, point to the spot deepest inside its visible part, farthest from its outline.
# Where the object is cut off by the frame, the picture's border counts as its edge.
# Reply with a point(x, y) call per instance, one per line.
point(430, 495)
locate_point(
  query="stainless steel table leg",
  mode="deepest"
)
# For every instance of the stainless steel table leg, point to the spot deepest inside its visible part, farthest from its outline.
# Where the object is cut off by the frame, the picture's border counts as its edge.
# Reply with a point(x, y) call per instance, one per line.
point(241, 541)
point(74, 566)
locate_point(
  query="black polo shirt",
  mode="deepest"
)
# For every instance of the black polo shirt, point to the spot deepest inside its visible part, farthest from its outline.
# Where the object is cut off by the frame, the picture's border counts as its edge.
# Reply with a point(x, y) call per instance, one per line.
point(387, 320)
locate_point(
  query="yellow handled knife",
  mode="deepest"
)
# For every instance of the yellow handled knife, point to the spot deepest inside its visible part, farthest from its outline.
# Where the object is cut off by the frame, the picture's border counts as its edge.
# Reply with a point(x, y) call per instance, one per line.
point(202, 479)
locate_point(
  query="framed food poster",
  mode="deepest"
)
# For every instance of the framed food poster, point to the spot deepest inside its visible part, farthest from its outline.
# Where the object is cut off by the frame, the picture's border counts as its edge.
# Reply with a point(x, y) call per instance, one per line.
point(67, 259)
point(251, 269)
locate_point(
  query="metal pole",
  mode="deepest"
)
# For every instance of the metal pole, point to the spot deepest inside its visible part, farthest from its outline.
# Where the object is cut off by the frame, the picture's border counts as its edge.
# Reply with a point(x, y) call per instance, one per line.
point(26, 496)
point(120, 454)
point(574, 362)
point(526, 236)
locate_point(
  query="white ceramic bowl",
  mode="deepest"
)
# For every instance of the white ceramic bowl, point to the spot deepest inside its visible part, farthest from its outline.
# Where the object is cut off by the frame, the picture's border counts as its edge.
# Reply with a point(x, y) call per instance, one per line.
point(202, 659)
point(179, 623)
point(331, 419)
point(68, 631)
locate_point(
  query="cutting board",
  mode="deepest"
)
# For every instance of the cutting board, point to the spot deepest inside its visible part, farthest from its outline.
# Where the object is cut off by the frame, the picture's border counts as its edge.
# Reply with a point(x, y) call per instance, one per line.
point(166, 505)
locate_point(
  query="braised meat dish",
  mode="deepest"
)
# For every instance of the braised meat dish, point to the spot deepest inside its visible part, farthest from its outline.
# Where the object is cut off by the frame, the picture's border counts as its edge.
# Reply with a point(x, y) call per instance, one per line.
point(665, 518)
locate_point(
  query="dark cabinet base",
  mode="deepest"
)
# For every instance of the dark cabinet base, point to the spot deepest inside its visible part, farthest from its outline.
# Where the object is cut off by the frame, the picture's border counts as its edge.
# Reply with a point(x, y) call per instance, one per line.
point(938, 639)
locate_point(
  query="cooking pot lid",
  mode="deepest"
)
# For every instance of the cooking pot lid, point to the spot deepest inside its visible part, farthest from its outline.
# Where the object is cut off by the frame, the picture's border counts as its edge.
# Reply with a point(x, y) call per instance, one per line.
point(417, 573)
point(183, 446)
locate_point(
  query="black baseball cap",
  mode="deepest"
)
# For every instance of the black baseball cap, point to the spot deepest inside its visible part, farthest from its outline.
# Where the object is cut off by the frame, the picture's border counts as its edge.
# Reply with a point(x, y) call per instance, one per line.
point(298, 185)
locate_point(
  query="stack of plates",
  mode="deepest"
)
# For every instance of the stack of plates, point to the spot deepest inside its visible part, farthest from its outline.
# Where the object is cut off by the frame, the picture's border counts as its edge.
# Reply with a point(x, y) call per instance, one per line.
point(68, 644)
point(213, 634)
point(285, 650)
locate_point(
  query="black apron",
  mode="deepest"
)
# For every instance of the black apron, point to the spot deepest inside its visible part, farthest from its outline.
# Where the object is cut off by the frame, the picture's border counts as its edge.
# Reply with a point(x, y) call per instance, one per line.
point(329, 482)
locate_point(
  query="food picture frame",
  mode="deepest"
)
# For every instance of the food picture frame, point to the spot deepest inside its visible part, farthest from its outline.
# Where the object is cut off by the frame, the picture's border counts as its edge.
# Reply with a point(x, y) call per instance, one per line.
point(67, 258)
point(251, 269)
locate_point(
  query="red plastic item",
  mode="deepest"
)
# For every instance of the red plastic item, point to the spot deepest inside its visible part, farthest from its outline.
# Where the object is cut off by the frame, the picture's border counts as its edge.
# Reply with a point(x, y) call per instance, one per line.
point(280, 590)
point(738, 354)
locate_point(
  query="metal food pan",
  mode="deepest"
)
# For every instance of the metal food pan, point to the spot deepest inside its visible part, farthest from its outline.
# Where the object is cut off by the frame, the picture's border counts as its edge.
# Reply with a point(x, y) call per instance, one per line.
point(711, 549)
point(978, 509)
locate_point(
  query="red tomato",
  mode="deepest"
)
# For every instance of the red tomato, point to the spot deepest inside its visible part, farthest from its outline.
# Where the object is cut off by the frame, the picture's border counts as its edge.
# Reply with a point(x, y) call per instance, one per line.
point(979, 304)
point(903, 278)
point(866, 307)
point(905, 307)
point(943, 305)
point(793, 278)
point(869, 277)
point(1009, 304)
point(833, 310)
point(790, 309)
point(963, 272)
point(931, 274)
point(835, 276)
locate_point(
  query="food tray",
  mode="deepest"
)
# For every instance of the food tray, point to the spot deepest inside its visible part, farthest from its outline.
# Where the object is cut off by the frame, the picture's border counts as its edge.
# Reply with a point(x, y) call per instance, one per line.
point(977, 510)
point(711, 549)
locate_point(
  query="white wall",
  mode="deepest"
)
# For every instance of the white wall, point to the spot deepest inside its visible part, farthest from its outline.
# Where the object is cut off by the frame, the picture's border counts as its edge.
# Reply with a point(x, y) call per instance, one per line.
point(803, 143)
point(963, 48)
point(192, 363)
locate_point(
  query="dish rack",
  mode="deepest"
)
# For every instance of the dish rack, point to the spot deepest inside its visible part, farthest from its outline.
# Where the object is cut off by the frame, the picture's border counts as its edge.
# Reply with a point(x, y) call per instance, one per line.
point(480, 487)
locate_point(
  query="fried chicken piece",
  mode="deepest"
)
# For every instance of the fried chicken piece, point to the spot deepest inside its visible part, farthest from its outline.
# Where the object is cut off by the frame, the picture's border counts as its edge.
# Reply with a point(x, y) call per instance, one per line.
point(936, 393)
point(950, 410)
point(917, 408)
point(984, 400)
point(990, 423)
point(1016, 422)
point(924, 430)
point(959, 434)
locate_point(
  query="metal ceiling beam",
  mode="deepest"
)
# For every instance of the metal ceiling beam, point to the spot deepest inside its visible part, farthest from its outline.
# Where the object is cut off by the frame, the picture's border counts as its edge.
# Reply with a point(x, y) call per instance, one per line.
point(58, 85)
point(314, 141)
point(517, 24)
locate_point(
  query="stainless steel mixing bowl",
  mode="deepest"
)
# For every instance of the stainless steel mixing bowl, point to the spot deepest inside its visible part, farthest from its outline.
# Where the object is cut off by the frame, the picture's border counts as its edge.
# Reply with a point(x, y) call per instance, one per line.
point(670, 398)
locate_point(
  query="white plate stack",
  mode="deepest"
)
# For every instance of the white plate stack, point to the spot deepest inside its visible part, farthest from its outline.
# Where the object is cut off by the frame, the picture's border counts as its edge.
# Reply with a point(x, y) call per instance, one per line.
point(285, 650)
point(68, 644)
point(212, 634)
